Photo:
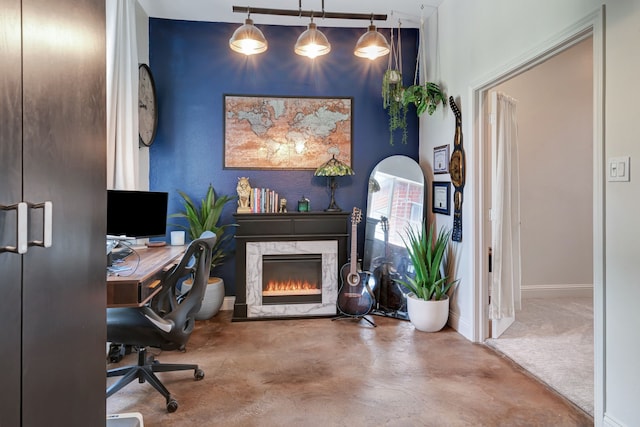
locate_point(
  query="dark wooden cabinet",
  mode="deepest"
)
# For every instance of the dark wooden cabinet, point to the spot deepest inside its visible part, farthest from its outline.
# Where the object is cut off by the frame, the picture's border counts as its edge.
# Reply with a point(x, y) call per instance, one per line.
point(53, 149)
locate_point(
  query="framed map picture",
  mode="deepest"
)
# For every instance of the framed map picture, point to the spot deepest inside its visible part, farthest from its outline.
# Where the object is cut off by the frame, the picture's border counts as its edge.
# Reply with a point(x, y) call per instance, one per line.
point(271, 132)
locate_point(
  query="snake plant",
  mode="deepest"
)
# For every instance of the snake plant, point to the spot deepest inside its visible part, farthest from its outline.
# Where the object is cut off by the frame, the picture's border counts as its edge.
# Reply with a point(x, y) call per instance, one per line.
point(427, 256)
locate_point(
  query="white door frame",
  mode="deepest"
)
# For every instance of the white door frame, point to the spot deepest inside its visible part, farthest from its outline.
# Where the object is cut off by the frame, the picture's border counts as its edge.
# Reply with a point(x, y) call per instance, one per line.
point(592, 25)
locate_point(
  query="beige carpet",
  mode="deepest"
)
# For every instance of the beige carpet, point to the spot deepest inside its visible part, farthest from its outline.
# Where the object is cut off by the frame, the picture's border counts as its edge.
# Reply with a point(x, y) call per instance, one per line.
point(553, 340)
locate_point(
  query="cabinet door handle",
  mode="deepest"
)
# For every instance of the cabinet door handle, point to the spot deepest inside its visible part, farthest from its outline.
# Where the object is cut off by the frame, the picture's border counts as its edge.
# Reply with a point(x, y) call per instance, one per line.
point(21, 231)
point(47, 232)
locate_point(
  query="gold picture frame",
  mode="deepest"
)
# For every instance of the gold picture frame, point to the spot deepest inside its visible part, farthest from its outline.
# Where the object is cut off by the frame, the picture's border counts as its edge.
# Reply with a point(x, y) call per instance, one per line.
point(286, 132)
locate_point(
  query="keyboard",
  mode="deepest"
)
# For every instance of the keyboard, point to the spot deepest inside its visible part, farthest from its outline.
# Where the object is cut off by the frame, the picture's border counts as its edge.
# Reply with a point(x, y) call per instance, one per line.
point(120, 254)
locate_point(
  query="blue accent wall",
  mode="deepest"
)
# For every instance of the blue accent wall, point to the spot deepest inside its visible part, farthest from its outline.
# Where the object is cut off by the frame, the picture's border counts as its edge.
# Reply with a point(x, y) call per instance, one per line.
point(193, 68)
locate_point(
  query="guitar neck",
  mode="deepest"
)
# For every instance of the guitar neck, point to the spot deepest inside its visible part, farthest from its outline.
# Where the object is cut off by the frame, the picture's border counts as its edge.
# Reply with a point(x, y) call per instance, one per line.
point(354, 246)
point(386, 245)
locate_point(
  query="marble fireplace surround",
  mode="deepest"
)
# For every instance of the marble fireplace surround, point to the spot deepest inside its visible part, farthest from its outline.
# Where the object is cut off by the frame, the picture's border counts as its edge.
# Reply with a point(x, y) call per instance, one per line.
point(254, 252)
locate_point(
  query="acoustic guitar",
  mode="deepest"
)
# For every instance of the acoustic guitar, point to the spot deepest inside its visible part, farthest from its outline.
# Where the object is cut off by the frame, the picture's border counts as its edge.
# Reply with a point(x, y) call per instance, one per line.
point(355, 297)
point(388, 296)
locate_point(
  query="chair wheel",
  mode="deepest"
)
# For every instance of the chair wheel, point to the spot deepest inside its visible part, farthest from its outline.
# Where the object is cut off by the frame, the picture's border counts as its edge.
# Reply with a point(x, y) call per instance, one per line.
point(172, 405)
point(198, 374)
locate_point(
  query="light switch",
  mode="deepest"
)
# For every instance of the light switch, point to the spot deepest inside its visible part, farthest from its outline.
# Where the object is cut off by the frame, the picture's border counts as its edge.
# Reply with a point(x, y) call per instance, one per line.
point(618, 169)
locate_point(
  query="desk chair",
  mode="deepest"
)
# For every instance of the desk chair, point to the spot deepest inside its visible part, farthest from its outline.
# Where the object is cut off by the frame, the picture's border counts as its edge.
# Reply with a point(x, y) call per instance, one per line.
point(166, 323)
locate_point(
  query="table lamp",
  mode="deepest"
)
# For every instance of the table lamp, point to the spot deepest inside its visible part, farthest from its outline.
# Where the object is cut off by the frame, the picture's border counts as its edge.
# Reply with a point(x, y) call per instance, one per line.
point(332, 168)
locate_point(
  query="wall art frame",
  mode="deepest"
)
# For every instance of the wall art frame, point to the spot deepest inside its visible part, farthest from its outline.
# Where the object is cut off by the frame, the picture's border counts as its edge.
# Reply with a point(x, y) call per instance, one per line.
point(441, 197)
point(267, 132)
point(441, 159)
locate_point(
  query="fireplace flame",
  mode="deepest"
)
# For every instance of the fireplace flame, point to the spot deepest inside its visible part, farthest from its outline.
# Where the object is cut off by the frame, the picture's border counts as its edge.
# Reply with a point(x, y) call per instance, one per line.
point(291, 287)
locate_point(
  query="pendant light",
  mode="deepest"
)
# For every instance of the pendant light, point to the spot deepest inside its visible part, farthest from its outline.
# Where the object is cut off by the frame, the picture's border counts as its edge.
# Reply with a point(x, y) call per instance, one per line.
point(248, 39)
point(312, 42)
point(371, 44)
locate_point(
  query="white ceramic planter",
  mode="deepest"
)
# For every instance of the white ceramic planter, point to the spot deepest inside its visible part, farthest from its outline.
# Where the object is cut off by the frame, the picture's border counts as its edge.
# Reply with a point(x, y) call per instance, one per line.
point(213, 297)
point(427, 316)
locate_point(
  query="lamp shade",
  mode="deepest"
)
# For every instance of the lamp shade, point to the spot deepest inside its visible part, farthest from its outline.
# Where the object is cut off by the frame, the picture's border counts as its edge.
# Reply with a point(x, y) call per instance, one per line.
point(334, 167)
point(312, 43)
point(248, 39)
point(371, 45)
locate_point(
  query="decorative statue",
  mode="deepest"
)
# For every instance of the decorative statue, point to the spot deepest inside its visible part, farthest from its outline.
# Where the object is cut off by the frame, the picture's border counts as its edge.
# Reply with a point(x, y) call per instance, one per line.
point(244, 195)
point(283, 205)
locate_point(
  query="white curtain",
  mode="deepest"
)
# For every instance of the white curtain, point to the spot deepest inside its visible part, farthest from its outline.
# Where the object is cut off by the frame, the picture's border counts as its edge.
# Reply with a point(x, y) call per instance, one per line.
point(122, 95)
point(506, 277)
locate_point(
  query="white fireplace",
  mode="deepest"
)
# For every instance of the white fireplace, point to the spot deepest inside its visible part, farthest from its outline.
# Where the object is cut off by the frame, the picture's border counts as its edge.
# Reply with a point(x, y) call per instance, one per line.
point(318, 299)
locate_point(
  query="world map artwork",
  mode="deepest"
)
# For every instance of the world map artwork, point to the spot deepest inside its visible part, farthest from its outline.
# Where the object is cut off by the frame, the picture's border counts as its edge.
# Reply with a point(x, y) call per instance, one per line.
point(286, 133)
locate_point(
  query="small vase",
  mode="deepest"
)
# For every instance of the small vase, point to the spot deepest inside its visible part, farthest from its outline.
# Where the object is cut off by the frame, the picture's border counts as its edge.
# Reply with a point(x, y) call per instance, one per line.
point(212, 300)
point(427, 316)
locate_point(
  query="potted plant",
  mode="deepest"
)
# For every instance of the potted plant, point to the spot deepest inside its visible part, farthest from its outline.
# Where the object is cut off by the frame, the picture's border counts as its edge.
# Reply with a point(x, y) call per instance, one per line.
point(201, 219)
point(425, 97)
point(428, 301)
point(392, 91)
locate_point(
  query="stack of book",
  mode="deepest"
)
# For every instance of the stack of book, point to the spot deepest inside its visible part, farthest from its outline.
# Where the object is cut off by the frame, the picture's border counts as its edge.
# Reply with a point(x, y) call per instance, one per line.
point(264, 200)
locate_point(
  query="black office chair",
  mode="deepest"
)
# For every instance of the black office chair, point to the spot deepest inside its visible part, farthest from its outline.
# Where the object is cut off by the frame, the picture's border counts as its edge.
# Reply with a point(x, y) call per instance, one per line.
point(166, 323)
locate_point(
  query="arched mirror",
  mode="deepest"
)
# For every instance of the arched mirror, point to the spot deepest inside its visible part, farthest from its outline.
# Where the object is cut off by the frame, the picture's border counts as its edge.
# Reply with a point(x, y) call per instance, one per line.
point(395, 202)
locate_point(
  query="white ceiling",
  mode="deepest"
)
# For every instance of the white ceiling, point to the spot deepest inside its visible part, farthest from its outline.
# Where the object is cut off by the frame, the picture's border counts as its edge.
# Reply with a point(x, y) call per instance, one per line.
point(408, 12)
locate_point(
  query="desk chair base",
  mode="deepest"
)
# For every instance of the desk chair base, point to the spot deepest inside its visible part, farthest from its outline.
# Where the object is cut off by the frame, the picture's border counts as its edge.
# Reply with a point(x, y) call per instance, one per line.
point(145, 371)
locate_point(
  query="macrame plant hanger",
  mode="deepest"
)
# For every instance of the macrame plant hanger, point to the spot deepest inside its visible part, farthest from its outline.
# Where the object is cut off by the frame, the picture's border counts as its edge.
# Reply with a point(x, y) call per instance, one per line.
point(393, 75)
point(396, 48)
point(421, 65)
point(393, 89)
point(425, 95)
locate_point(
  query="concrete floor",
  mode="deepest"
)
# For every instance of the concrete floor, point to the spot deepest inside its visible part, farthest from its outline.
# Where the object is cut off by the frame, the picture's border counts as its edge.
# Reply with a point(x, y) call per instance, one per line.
point(315, 372)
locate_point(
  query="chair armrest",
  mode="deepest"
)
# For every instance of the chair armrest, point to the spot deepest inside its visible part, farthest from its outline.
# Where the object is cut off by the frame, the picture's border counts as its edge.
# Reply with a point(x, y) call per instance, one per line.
point(164, 325)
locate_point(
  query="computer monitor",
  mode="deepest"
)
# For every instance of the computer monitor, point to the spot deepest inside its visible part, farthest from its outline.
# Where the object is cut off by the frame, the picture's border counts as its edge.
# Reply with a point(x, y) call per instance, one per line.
point(136, 214)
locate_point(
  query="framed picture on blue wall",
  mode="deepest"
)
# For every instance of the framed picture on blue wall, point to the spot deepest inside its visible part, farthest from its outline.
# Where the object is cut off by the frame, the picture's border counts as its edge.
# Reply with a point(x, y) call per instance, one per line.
point(441, 194)
point(282, 132)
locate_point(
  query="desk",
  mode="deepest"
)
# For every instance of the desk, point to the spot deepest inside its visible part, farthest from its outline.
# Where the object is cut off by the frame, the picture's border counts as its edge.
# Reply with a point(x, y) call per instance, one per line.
point(135, 287)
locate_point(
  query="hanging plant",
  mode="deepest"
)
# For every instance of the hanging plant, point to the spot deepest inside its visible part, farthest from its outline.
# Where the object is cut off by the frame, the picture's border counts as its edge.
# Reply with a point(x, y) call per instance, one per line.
point(392, 101)
point(391, 87)
point(425, 97)
point(392, 91)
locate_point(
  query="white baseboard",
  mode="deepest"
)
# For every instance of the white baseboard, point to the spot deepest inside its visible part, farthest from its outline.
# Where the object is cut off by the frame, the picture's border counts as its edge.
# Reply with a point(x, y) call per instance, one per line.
point(610, 421)
point(228, 302)
point(557, 291)
point(461, 326)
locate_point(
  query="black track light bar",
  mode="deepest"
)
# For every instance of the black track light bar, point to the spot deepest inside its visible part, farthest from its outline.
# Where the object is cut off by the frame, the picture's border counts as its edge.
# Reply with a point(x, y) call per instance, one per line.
point(310, 13)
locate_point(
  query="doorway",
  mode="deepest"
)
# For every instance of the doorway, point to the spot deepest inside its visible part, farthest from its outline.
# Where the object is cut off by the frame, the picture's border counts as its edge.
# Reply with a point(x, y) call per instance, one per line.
point(554, 182)
point(555, 167)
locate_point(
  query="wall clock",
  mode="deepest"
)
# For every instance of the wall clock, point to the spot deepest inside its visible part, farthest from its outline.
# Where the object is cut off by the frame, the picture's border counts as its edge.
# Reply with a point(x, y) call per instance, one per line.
point(147, 106)
point(457, 172)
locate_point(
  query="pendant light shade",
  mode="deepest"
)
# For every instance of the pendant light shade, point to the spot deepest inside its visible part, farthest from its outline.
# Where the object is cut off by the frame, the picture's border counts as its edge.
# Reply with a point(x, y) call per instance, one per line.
point(371, 44)
point(312, 43)
point(248, 39)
